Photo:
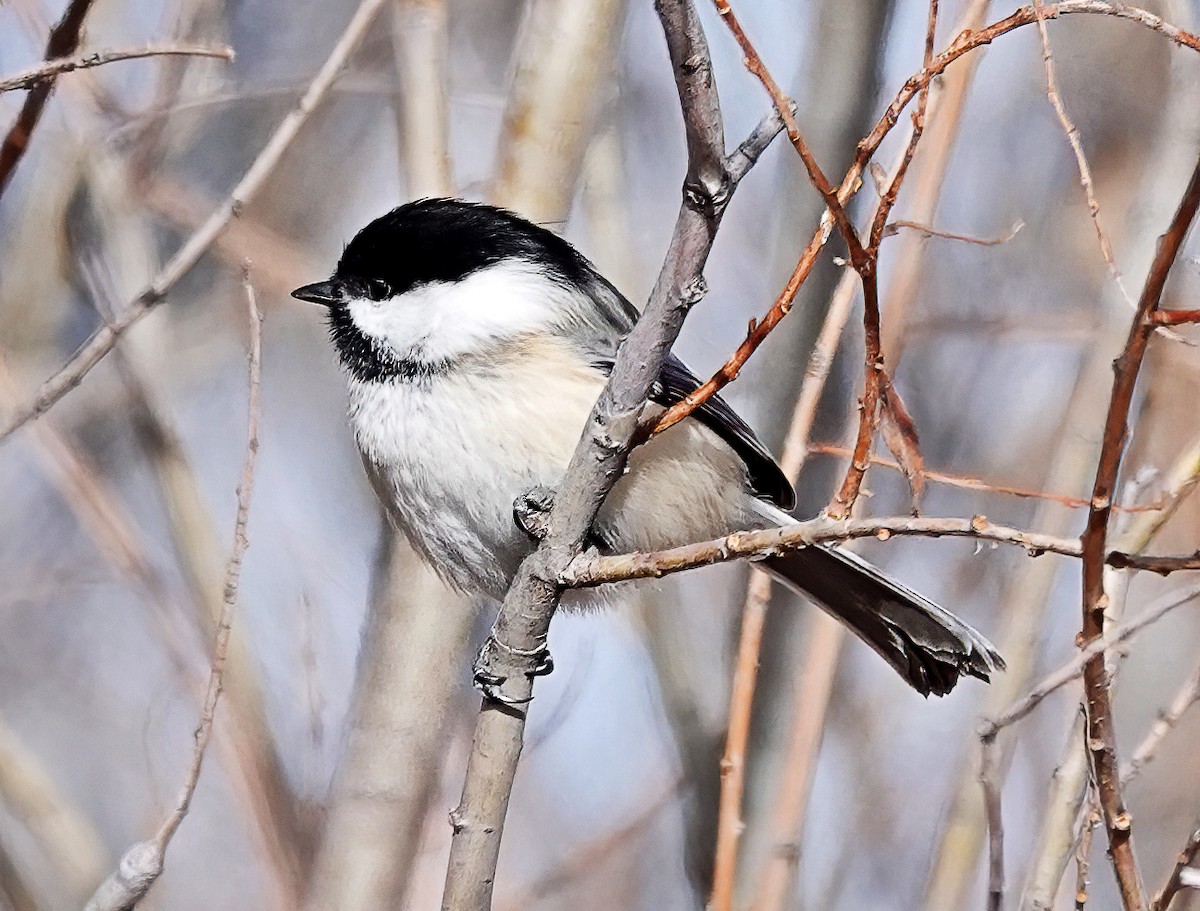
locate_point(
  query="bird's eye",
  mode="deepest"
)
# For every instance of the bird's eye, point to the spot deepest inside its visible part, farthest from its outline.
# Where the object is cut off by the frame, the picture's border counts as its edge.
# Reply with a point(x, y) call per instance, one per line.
point(378, 289)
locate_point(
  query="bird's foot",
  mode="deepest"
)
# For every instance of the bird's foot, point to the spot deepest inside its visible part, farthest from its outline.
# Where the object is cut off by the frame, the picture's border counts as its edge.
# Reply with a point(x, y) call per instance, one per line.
point(531, 511)
point(498, 664)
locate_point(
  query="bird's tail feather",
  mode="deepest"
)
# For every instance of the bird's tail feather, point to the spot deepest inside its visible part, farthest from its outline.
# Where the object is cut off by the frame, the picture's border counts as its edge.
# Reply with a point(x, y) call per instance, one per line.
point(929, 646)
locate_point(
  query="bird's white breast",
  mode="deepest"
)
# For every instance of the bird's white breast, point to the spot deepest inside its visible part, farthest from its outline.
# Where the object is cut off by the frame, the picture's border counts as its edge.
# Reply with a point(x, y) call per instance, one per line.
point(450, 454)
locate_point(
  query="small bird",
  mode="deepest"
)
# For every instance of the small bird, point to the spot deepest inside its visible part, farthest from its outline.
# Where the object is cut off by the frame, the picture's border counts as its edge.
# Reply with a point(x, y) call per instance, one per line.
point(476, 344)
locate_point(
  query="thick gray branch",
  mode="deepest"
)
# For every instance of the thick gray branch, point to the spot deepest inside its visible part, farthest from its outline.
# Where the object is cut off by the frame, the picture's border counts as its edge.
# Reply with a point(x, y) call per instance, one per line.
point(519, 635)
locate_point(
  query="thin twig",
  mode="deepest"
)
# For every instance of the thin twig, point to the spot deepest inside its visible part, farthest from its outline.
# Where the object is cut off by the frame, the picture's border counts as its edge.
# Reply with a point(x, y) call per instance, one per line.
point(878, 393)
point(1084, 850)
point(894, 226)
point(1176, 317)
point(64, 39)
point(1081, 162)
point(1100, 730)
point(733, 759)
point(966, 482)
point(142, 864)
point(754, 63)
point(1074, 668)
point(1175, 881)
point(106, 337)
point(591, 570)
point(965, 42)
point(1187, 696)
point(51, 69)
point(745, 675)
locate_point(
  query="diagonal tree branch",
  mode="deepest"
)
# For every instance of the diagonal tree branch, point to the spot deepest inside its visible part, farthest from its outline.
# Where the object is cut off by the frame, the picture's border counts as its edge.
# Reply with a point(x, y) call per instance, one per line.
point(516, 646)
point(142, 863)
point(106, 337)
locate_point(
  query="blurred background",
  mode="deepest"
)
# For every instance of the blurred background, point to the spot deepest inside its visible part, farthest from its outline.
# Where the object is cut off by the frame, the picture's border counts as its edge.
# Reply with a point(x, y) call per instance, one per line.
point(342, 736)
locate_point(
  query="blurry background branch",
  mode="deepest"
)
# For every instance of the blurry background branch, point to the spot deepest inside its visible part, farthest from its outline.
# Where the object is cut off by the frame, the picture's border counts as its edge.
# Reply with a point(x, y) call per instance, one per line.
point(142, 864)
point(110, 561)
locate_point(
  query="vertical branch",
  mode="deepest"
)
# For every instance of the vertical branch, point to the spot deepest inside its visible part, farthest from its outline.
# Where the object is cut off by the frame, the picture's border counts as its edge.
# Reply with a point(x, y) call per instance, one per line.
point(1081, 162)
point(564, 51)
point(407, 700)
point(414, 648)
point(1100, 735)
point(989, 777)
point(516, 645)
point(1175, 881)
point(733, 760)
point(875, 379)
point(142, 864)
point(423, 118)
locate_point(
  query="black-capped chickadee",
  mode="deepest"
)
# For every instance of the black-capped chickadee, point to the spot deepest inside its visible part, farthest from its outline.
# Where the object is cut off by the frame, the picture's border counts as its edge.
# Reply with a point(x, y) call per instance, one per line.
point(476, 344)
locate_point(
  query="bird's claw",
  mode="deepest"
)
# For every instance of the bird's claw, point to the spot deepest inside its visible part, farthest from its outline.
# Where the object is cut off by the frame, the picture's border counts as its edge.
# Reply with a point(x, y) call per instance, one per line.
point(531, 510)
point(491, 684)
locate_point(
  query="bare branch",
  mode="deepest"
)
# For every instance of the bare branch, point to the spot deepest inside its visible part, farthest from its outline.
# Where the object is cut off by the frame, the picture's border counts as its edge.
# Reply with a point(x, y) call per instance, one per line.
point(1100, 727)
point(893, 227)
point(142, 864)
point(106, 337)
point(1081, 162)
point(64, 39)
point(516, 645)
point(591, 570)
point(1074, 668)
point(1175, 881)
point(989, 778)
point(1143, 754)
point(966, 41)
point(51, 69)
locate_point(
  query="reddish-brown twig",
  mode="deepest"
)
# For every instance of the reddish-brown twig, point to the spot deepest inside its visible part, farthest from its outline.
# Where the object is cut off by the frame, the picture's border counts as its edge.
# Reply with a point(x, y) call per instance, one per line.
point(877, 386)
point(894, 226)
point(63, 40)
point(754, 612)
point(1074, 668)
point(733, 759)
point(965, 482)
point(754, 63)
point(964, 43)
point(1176, 317)
point(1100, 732)
point(1174, 883)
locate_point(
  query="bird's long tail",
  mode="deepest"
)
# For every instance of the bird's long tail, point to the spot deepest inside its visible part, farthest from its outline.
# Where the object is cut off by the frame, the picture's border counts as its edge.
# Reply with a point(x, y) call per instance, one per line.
point(929, 646)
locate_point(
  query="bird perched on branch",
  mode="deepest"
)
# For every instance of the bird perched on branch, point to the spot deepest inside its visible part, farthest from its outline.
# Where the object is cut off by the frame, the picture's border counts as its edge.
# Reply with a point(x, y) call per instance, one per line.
point(476, 344)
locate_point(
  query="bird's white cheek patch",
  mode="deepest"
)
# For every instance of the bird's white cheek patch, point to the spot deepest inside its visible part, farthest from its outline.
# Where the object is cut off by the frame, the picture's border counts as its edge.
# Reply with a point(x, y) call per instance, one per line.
point(443, 320)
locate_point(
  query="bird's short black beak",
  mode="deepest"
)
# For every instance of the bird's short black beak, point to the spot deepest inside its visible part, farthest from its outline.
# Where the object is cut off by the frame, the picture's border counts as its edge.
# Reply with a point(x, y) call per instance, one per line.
point(327, 294)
